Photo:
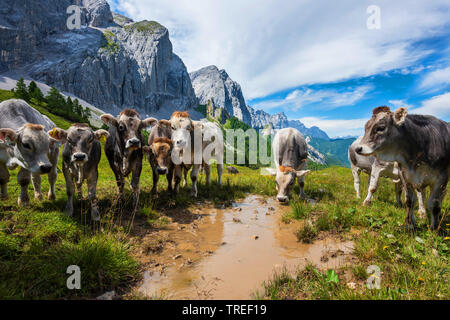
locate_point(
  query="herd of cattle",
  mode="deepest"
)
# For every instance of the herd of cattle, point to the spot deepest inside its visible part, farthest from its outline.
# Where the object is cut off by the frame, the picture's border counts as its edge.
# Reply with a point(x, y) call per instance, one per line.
point(412, 150)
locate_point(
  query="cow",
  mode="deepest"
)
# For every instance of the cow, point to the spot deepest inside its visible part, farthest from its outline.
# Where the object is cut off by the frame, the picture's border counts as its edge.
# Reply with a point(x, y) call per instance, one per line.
point(123, 148)
point(291, 155)
point(27, 144)
point(232, 170)
point(81, 154)
point(185, 133)
point(159, 153)
point(376, 168)
point(421, 146)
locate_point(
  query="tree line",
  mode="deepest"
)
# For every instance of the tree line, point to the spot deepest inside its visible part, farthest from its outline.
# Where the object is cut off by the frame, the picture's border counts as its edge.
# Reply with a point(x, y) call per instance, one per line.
point(54, 101)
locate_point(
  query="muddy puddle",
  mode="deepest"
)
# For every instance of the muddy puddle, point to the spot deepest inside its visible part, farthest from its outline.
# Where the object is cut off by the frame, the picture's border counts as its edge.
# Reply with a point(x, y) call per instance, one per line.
point(228, 253)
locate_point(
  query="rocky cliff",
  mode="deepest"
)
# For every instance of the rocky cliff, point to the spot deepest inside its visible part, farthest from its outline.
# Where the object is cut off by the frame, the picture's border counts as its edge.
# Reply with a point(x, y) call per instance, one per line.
point(111, 61)
point(212, 84)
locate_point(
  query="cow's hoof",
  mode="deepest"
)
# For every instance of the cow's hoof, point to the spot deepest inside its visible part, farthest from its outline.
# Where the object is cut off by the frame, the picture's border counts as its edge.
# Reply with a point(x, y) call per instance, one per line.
point(194, 194)
point(366, 203)
point(23, 202)
point(69, 210)
point(51, 196)
point(422, 214)
point(95, 215)
point(38, 196)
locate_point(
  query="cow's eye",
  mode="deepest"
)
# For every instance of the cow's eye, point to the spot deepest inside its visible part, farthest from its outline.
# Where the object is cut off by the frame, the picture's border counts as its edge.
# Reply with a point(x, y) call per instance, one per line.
point(121, 127)
point(381, 128)
point(26, 146)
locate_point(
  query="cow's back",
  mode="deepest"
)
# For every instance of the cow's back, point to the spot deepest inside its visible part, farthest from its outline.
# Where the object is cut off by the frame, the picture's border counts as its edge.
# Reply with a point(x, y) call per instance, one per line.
point(15, 113)
point(289, 148)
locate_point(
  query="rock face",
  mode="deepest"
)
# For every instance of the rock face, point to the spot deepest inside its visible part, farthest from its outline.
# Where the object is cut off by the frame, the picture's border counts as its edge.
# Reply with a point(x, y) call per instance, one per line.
point(109, 62)
point(212, 84)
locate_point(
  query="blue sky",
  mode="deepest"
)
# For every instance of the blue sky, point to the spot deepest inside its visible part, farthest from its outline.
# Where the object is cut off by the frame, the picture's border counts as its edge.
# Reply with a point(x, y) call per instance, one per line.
point(316, 61)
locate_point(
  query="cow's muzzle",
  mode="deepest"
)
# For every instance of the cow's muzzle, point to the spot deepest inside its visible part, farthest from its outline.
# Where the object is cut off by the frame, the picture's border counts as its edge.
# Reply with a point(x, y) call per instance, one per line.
point(79, 157)
point(133, 144)
point(161, 170)
point(282, 198)
point(45, 168)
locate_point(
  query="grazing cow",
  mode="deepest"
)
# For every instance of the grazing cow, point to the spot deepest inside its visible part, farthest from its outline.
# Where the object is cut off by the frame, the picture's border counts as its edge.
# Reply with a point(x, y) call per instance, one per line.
point(376, 168)
point(81, 154)
point(421, 146)
point(184, 134)
point(159, 153)
point(123, 148)
point(291, 155)
point(28, 145)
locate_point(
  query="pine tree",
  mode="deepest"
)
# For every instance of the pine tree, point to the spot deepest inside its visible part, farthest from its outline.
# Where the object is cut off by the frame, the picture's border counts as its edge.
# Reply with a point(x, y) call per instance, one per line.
point(20, 91)
point(34, 92)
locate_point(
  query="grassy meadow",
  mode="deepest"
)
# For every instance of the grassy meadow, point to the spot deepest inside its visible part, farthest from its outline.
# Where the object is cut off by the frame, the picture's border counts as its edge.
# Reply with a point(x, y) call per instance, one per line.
point(39, 242)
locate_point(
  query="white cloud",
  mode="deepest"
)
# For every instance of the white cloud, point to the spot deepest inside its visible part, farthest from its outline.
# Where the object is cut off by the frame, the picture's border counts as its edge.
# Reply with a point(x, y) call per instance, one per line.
point(399, 104)
point(438, 106)
point(337, 127)
point(328, 98)
point(272, 45)
point(436, 79)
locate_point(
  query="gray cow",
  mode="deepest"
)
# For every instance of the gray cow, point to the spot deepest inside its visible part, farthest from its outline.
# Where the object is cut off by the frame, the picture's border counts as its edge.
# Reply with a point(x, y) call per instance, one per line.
point(123, 148)
point(421, 146)
point(27, 144)
point(81, 154)
point(376, 168)
point(291, 154)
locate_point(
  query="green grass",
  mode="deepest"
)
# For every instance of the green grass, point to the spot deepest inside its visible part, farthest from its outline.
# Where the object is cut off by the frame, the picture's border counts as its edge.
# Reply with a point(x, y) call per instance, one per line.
point(146, 27)
point(111, 46)
point(413, 265)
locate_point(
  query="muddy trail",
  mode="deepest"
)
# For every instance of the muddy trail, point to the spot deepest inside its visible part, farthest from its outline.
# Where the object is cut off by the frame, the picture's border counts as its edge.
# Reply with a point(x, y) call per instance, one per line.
point(227, 253)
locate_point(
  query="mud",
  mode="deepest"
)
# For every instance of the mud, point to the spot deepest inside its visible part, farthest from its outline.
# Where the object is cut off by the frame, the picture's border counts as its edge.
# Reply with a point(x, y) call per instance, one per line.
point(228, 253)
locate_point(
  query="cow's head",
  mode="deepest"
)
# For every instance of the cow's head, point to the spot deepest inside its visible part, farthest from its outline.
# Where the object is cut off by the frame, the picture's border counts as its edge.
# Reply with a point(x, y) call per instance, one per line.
point(31, 147)
point(128, 126)
point(79, 140)
point(161, 149)
point(182, 127)
point(285, 178)
point(382, 130)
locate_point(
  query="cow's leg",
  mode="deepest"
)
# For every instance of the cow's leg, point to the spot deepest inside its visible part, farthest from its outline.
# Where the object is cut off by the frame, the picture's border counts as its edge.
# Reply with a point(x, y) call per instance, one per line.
point(155, 181)
point(119, 181)
point(92, 195)
point(53, 174)
point(23, 178)
point(207, 168)
point(185, 172)
point(438, 191)
point(4, 179)
point(36, 181)
point(194, 177)
point(398, 193)
point(422, 213)
point(356, 180)
point(219, 173)
point(169, 177)
point(301, 182)
point(373, 184)
point(178, 172)
point(70, 190)
point(135, 176)
point(410, 202)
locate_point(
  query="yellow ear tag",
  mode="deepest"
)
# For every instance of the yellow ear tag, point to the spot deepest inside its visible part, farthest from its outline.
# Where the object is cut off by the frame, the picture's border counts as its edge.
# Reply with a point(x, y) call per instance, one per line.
point(102, 138)
point(52, 133)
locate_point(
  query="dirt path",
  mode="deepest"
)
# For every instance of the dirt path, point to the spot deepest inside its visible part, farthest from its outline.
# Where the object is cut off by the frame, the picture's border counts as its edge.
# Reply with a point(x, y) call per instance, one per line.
point(228, 253)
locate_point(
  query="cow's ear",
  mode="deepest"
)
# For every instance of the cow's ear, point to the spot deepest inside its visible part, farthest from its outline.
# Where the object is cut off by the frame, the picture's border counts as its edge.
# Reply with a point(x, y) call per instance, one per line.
point(146, 149)
point(58, 134)
point(302, 173)
point(7, 133)
point(165, 123)
point(99, 134)
point(148, 122)
point(108, 119)
point(400, 116)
